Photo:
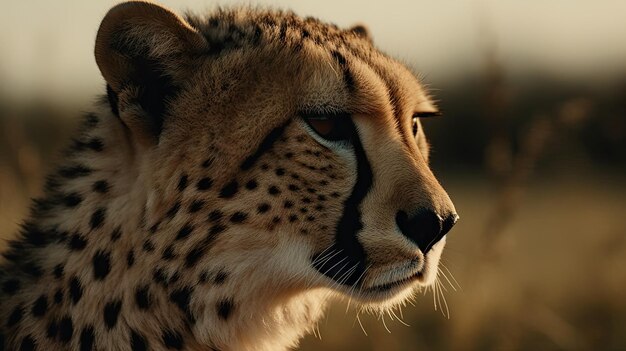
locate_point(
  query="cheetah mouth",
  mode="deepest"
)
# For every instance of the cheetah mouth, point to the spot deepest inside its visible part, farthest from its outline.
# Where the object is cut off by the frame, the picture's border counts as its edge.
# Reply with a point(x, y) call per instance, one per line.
point(397, 281)
point(397, 284)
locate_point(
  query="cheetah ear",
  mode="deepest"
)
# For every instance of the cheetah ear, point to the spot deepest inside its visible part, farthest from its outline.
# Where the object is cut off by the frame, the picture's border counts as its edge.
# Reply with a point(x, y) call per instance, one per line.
point(144, 53)
point(361, 31)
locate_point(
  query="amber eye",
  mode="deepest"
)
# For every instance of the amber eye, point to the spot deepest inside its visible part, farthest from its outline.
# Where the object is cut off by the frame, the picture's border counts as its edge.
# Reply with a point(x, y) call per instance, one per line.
point(415, 126)
point(331, 127)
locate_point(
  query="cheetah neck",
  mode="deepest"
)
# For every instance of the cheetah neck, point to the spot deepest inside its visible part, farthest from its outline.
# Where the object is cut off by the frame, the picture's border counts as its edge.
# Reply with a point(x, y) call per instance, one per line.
point(89, 268)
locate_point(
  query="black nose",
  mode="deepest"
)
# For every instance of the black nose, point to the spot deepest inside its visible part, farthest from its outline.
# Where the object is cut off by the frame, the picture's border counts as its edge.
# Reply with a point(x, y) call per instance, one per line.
point(425, 228)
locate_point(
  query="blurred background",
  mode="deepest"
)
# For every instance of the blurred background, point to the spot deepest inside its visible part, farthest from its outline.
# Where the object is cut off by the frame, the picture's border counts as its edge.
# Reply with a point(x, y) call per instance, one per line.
point(532, 149)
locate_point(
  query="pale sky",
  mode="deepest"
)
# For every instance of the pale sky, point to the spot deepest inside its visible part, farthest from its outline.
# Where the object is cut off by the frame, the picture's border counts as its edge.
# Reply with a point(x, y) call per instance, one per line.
point(46, 47)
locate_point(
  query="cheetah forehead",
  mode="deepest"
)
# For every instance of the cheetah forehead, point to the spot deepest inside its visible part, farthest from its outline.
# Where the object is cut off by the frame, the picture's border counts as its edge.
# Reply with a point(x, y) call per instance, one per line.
point(336, 60)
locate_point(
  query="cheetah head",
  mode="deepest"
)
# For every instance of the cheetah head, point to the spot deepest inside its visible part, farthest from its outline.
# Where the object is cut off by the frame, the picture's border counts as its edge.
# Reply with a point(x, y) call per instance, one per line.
point(284, 150)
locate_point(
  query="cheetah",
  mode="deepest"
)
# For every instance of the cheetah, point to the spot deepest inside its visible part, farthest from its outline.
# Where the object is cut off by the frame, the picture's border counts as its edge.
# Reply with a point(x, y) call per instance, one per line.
point(243, 169)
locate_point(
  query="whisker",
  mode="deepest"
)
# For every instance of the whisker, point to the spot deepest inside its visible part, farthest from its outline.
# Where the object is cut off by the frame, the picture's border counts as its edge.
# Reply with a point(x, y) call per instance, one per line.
point(446, 276)
point(443, 296)
point(451, 275)
point(361, 324)
point(382, 317)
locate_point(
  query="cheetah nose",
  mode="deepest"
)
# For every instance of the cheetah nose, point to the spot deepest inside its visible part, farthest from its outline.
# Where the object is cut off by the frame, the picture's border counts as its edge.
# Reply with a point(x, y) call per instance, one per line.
point(425, 228)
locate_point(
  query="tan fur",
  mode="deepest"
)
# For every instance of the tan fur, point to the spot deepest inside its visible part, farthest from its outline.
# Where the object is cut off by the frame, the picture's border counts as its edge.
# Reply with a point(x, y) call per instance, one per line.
point(238, 79)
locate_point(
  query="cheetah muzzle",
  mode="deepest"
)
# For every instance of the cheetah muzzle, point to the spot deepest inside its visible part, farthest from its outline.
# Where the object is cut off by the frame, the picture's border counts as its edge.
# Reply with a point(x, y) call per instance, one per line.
point(243, 169)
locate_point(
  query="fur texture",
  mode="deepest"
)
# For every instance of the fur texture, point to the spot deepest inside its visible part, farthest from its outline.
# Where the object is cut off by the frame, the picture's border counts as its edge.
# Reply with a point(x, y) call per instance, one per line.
point(200, 208)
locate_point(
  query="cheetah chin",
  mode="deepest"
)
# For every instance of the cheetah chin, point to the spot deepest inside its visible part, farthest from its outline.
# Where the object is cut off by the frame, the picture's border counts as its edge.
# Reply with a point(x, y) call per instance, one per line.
point(243, 168)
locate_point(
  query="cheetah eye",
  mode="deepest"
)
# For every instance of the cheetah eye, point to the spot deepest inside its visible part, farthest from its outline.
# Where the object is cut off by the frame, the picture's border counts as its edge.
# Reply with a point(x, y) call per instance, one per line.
point(424, 114)
point(331, 127)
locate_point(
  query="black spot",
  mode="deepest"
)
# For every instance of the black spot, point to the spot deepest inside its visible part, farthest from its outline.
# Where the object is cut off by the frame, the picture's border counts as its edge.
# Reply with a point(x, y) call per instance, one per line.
point(335, 194)
point(172, 340)
point(251, 184)
point(168, 253)
point(90, 120)
point(87, 337)
point(28, 344)
point(280, 172)
point(207, 163)
point(182, 182)
point(321, 197)
point(95, 144)
point(293, 187)
point(130, 258)
point(196, 206)
point(32, 269)
point(238, 217)
point(293, 218)
point(323, 182)
point(306, 200)
point(11, 286)
point(76, 290)
point(311, 190)
point(101, 264)
point(142, 297)
point(215, 215)
point(154, 227)
point(158, 275)
point(304, 210)
point(181, 297)
point(224, 308)
point(174, 277)
point(265, 145)
point(77, 242)
point(37, 237)
point(148, 246)
point(310, 218)
point(15, 316)
point(204, 277)
point(265, 166)
point(40, 307)
point(184, 232)
point(229, 190)
point(264, 207)
point(173, 210)
point(137, 342)
point(72, 200)
point(194, 255)
point(76, 171)
point(289, 155)
point(97, 218)
point(216, 229)
point(288, 204)
point(204, 183)
point(220, 277)
point(66, 329)
point(58, 296)
point(111, 313)
point(273, 190)
point(52, 330)
point(116, 234)
point(101, 186)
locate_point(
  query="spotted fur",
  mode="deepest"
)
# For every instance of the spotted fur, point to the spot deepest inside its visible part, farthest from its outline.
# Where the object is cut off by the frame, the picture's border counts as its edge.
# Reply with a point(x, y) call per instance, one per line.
point(197, 210)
